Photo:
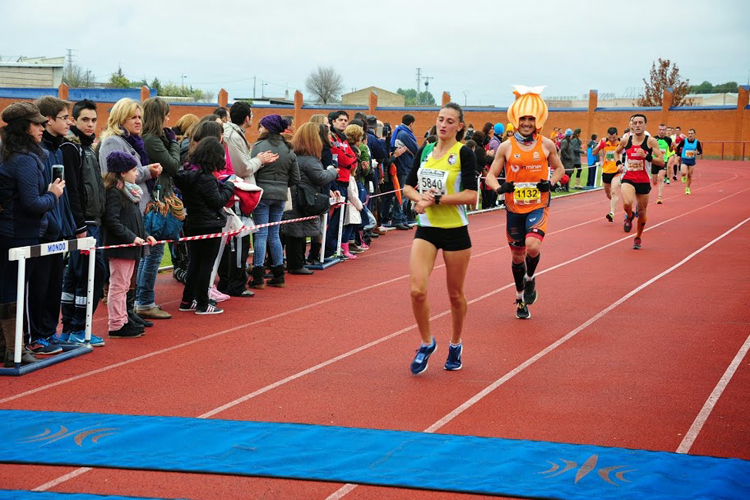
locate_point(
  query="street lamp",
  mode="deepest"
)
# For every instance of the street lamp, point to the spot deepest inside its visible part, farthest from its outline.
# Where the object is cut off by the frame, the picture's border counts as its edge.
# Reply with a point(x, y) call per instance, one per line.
point(263, 90)
point(466, 93)
point(183, 80)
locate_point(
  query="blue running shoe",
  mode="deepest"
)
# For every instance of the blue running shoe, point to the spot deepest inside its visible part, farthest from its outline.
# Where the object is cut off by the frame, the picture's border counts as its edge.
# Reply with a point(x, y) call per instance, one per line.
point(60, 339)
point(454, 357)
point(79, 338)
point(423, 355)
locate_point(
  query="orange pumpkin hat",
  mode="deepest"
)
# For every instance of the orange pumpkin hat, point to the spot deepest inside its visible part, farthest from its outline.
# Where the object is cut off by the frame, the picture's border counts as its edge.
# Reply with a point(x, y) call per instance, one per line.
point(528, 102)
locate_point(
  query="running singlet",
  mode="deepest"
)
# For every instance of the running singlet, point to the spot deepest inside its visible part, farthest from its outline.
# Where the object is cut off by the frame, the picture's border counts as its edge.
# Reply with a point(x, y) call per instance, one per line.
point(453, 173)
point(690, 150)
point(637, 169)
point(526, 169)
point(665, 144)
point(609, 166)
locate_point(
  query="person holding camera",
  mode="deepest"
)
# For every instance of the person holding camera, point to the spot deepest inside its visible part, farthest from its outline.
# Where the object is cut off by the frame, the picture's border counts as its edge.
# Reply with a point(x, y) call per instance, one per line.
point(26, 199)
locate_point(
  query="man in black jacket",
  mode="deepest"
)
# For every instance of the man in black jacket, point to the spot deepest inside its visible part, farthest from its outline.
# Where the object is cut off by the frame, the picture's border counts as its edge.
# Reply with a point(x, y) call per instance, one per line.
point(84, 178)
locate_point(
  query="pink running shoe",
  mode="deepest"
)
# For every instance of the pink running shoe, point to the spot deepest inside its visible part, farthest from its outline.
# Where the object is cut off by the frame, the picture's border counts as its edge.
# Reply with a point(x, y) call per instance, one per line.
point(216, 295)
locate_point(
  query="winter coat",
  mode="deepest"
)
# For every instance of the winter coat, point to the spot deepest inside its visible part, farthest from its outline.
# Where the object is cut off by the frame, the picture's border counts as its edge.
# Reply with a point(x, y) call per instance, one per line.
point(204, 198)
point(24, 197)
point(313, 175)
point(566, 154)
point(123, 222)
point(244, 164)
point(575, 144)
point(276, 177)
point(354, 205)
point(167, 153)
point(62, 223)
point(118, 143)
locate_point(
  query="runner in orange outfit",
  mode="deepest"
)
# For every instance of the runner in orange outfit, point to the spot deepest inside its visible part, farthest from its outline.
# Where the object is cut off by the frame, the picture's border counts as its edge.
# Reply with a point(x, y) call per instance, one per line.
point(641, 151)
point(610, 170)
point(528, 159)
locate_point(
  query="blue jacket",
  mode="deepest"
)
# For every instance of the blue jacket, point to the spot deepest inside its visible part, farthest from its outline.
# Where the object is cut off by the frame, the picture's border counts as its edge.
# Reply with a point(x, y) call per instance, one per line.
point(24, 197)
point(377, 147)
point(406, 136)
point(61, 225)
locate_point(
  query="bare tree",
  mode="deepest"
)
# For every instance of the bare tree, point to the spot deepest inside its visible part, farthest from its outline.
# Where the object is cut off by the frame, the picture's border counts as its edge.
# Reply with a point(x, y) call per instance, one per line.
point(75, 76)
point(665, 75)
point(325, 84)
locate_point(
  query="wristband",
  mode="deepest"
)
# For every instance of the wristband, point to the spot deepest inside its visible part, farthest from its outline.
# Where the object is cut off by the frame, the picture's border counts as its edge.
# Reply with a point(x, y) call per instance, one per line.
point(437, 198)
point(649, 157)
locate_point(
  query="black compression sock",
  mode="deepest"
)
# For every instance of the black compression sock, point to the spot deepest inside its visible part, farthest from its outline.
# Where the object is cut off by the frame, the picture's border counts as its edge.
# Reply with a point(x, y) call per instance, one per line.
point(531, 263)
point(519, 271)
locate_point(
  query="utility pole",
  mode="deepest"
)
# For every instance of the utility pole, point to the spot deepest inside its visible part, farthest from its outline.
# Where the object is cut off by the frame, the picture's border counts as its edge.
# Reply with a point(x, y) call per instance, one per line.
point(70, 62)
point(419, 81)
point(254, 87)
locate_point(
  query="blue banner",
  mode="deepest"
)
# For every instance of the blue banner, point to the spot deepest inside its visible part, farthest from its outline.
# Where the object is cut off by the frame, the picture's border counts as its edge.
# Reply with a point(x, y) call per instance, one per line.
point(441, 462)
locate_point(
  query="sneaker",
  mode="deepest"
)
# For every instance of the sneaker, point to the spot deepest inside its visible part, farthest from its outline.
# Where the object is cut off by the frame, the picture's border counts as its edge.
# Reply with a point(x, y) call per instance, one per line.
point(126, 331)
point(628, 225)
point(659, 202)
point(529, 291)
point(79, 338)
point(61, 339)
point(674, 177)
point(454, 357)
point(216, 295)
point(637, 244)
point(423, 356)
point(687, 190)
point(522, 311)
point(43, 346)
point(684, 179)
point(611, 217)
point(209, 309)
point(666, 180)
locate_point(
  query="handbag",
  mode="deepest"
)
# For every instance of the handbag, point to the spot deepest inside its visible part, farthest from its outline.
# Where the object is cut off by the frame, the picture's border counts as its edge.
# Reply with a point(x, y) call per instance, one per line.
point(309, 201)
point(160, 219)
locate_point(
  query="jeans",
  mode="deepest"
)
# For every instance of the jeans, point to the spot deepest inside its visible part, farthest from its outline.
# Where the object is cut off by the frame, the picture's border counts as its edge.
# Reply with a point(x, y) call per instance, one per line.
point(268, 211)
point(43, 295)
point(145, 280)
point(392, 209)
point(75, 285)
point(591, 176)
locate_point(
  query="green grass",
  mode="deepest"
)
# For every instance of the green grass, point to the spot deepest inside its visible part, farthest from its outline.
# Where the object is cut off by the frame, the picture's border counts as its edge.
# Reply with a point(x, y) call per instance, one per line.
point(167, 259)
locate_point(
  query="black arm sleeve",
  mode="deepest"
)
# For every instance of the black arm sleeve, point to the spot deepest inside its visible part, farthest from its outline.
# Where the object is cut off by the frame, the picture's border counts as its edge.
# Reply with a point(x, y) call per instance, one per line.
point(700, 147)
point(468, 169)
point(411, 179)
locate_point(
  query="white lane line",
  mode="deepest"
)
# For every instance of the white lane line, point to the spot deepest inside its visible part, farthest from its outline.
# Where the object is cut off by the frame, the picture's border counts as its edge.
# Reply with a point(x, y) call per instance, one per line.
point(700, 420)
point(341, 492)
point(62, 479)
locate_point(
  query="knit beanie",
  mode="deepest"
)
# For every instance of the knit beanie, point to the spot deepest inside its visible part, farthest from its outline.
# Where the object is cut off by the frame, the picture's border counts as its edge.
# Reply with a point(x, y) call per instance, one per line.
point(499, 129)
point(274, 124)
point(120, 162)
point(568, 132)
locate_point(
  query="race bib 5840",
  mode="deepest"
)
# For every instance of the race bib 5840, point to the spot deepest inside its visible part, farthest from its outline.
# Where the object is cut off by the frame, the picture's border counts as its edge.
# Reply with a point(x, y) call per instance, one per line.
point(432, 179)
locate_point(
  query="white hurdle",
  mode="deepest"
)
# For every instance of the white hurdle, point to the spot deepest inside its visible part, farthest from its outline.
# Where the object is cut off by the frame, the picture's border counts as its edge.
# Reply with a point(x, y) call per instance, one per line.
point(21, 255)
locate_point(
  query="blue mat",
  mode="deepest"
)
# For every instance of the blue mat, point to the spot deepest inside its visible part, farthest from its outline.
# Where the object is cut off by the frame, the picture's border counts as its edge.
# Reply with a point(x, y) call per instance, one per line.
point(348, 455)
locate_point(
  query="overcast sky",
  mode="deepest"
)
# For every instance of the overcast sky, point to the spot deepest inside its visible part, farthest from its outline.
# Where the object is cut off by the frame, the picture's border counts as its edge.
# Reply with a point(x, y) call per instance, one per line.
point(474, 50)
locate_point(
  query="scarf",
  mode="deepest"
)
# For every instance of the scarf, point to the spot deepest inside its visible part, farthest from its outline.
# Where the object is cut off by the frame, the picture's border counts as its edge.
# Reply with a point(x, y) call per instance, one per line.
point(132, 191)
point(86, 140)
point(137, 143)
point(526, 141)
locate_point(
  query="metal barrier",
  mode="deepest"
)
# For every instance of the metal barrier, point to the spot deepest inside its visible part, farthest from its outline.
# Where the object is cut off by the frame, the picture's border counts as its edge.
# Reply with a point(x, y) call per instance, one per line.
point(725, 150)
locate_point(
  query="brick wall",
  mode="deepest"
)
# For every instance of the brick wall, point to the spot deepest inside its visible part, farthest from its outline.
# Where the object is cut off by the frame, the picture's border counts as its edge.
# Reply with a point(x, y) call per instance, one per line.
point(712, 124)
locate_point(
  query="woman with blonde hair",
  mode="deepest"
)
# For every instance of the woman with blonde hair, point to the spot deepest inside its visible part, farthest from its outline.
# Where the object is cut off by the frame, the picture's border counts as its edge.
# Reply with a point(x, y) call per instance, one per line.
point(314, 176)
point(123, 134)
point(319, 119)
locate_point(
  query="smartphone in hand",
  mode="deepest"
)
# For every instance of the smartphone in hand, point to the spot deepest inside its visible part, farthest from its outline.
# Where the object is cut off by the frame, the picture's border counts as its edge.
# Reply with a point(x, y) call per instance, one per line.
point(58, 172)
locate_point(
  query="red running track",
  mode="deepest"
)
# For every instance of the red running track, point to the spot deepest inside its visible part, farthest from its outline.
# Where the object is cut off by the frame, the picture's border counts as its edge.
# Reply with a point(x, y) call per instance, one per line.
point(624, 349)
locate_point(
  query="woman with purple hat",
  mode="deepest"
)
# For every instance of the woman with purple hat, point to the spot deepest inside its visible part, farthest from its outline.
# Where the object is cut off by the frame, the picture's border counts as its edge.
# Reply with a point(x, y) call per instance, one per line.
point(25, 199)
point(274, 178)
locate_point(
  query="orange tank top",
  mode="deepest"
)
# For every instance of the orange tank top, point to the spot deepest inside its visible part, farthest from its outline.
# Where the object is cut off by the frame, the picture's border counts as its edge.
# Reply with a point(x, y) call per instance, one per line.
point(526, 169)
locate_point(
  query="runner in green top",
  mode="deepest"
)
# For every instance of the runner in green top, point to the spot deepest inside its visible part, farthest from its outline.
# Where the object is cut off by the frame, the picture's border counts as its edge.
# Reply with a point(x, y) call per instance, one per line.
point(659, 174)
